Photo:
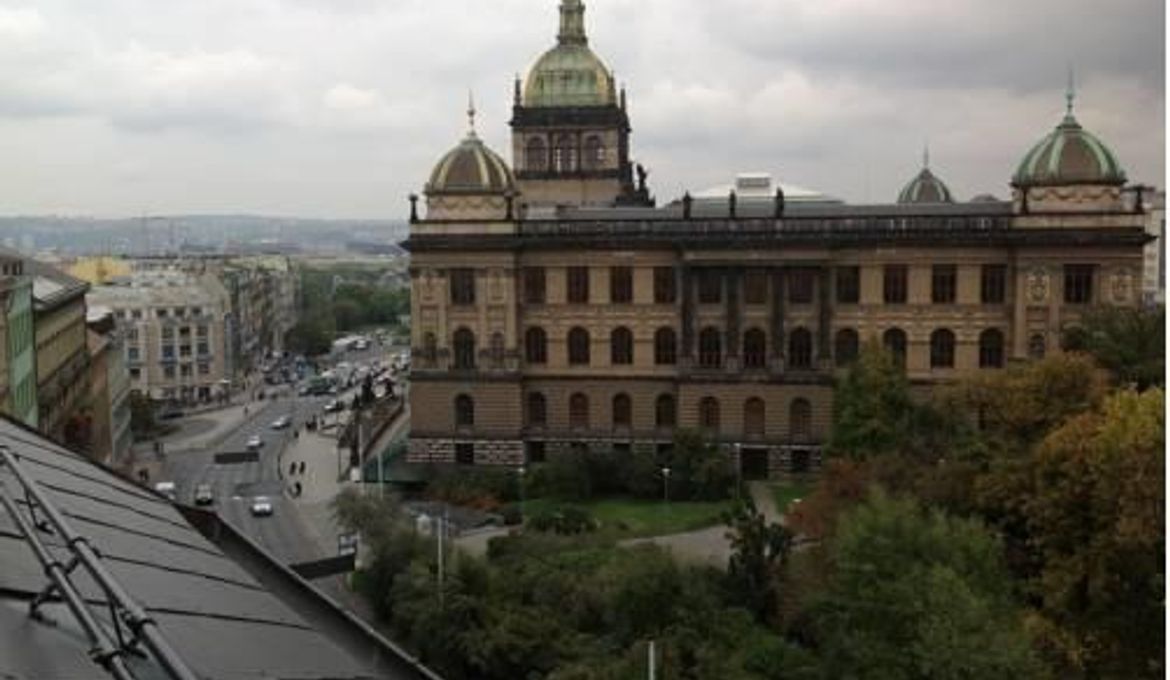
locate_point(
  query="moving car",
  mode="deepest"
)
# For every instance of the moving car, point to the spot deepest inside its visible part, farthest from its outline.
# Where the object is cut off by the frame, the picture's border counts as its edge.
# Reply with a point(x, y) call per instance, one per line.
point(334, 406)
point(261, 506)
point(254, 442)
point(281, 423)
point(166, 488)
point(203, 494)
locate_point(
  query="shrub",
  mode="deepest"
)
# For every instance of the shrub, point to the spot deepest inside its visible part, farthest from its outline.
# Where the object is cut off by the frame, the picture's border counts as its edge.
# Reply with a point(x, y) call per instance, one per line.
point(563, 519)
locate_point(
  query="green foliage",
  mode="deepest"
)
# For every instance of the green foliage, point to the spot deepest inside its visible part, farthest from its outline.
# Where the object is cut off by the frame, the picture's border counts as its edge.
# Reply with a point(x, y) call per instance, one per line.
point(918, 595)
point(759, 550)
point(483, 488)
point(1130, 342)
point(1094, 511)
point(565, 520)
point(871, 406)
point(699, 471)
point(311, 336)
point(142, 420)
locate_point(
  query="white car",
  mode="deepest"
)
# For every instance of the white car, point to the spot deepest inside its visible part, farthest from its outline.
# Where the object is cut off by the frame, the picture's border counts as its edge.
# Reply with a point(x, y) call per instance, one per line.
point(255, 442)
point(261, 506)
point(281, 423)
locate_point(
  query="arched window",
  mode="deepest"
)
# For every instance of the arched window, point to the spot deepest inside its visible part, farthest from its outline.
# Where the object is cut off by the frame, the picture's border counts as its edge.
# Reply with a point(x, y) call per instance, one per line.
point(664, 411)
point(536, 155)
point(991, 349)
point(664, 347)
point(594, 152)
point(579, 347)
point(845, 346)
point(430, 347)
point(942, 349)
point(753, 417)
point(464, 350)
point(578, 411)
point(537, 410)
point(894, 340)
point(709, 413)
point(535, 346)
point(496, 350)
point(1037, 346)
point(565, 154)
point(464, 411)
point(755, 349)
point(800, 349)
point(710, 348)
point(799, 419)
point(622, 410)
point(621, 346)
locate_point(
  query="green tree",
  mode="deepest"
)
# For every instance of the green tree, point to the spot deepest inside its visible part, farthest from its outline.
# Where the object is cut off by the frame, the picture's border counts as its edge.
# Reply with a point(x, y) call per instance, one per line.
point(917, 594)
point(1130, 342)
point(142, 420)
point(759, 550)
point(310, 336)
point(1095, 512)
point(871, 406)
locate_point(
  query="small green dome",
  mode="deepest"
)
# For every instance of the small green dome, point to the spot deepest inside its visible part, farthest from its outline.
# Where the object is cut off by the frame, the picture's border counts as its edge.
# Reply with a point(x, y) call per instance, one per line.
point(471, 168)
point(925, 188)
point(569, 74)
point(1069, 155)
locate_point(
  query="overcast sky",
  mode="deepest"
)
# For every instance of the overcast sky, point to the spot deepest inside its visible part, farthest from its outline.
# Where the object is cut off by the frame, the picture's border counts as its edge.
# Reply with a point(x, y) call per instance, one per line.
point(339, 108)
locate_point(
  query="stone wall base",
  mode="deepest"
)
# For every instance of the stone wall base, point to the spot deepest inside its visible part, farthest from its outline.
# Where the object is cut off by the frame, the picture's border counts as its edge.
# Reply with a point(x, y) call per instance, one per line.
point(487, 451)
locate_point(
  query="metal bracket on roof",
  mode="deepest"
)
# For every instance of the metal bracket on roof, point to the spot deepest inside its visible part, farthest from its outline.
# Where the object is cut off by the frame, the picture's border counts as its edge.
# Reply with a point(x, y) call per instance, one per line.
point(123, 609)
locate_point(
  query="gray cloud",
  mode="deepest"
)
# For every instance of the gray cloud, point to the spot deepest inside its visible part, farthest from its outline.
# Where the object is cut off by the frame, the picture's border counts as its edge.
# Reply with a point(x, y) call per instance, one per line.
point(339, 107)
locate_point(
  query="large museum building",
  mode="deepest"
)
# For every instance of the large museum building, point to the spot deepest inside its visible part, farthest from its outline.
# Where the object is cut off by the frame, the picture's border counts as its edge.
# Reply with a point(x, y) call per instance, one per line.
point(556, 308)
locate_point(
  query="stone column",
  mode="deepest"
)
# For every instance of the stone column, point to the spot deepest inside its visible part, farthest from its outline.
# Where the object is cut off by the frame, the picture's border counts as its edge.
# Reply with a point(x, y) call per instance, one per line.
point(1018, 338)
point(687, 298)
point(776, 357)
point(733, 322)
point(825, 308)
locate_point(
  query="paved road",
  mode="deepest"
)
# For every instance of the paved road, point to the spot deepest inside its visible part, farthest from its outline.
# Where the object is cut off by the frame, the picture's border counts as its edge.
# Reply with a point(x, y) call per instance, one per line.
point(235, 486)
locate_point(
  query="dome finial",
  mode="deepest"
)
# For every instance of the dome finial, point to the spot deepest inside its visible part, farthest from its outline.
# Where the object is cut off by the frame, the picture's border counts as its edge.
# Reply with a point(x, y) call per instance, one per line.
point(926, 155)
point(470, 113)
point(572, 23)
point(1070, 93)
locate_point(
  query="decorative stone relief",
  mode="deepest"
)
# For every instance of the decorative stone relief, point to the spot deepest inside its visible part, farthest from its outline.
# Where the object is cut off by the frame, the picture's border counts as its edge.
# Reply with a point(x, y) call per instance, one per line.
point(496, 285)
point(428, 285)
point(1121, 285)
point(1038, 285)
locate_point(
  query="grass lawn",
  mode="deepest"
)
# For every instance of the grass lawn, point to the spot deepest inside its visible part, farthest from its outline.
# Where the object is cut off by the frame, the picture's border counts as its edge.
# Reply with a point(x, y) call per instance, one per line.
point(630, 518)
point(786, 492)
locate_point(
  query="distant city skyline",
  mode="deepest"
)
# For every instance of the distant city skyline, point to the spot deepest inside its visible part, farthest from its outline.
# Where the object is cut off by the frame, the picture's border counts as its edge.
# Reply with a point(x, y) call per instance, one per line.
point(339, 108)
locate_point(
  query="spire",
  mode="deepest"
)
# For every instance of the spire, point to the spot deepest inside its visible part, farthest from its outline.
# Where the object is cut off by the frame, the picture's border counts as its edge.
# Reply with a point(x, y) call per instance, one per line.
point(470, 114)
point(572, 23)
point(1070, 93)
point(926, 155)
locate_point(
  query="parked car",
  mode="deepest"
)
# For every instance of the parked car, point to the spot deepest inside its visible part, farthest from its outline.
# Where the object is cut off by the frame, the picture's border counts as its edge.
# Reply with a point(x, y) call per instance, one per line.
point(281, 423)
point(261, 506)
point(166, 488)
point(334, 406)
point(255, 442)
point(203, 494)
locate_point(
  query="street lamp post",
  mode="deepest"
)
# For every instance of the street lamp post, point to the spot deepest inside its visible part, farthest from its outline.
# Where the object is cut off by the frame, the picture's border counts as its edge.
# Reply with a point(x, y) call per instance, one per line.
point(666, 484)
point(738, 470)
point(520, 473)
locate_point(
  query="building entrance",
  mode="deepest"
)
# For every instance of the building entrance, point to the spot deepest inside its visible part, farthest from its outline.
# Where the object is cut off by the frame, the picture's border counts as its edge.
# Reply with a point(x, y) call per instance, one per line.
point(753, 464)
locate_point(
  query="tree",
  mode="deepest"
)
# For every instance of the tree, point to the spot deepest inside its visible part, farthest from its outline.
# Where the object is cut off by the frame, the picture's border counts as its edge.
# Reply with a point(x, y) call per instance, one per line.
point(1095, 512)
point(142, 420)
point(1130, 342)
point(871, 406)
point(758, 551)
point(917, 594)
point(310, 336)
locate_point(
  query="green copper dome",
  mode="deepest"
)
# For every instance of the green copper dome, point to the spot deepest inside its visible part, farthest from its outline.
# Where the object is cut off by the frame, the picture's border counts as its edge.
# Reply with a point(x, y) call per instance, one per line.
point(471, 168)
point(569, 74)
point(1069, 155)
point(925, 188)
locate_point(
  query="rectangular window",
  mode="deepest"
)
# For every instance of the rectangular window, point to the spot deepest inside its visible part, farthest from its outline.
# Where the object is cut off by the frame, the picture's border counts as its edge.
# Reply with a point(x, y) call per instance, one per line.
point(621, 285)
point(162, 313)
point(132, 353)
point(204, 369)
point(132, 334)
point(184, 350)
point(578, 288)
point(534, 285)
point(180, 312)
point(800, 286)
point(993, 285)
point(943, 278)
point(710, 287)
point(465, 454)
point(535, 452)
point(894, 284)
point(185, 332)
point(185, 370)
point(201, 331)
point(463, 286)
point(168, 333)
point(135, 374)
point(136, 314)
point(204, 349)
point(664, 286)
point(1078, 284)
point(168, 371)
point(848, 285)
point(196, 311)
point(168, 352)
point(755, 287)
